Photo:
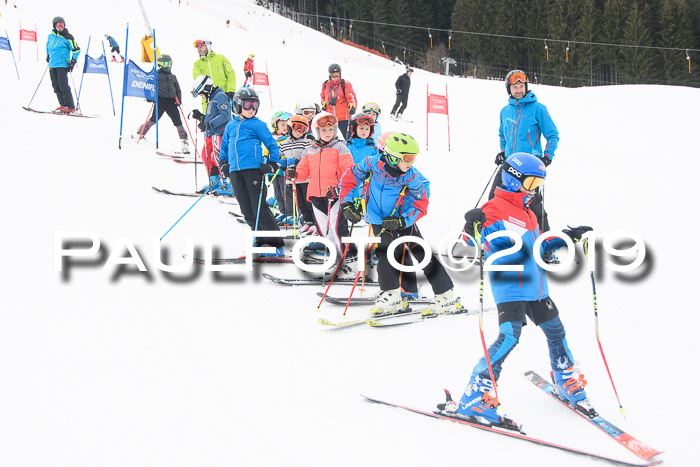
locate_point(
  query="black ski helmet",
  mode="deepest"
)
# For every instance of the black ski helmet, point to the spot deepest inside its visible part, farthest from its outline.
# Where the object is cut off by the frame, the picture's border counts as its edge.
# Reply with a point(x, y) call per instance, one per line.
point(164, 61)
point(58, 19)
point(244, 94)
point(361, 118)
point(334, 68)
point(517, 75)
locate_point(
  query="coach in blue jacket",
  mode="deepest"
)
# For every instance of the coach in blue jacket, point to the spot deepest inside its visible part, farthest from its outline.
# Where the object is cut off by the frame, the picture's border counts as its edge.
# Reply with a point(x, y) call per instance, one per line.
point(61, 53)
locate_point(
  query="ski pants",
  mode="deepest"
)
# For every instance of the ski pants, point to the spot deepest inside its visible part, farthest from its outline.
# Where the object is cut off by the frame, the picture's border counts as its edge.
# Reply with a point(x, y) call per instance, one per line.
point(284, 195)
point(332, 224)
point(511, 317)
point(251, 193)
point(210, 153)
point(343, 127)
point(536, 205)
point(390, 278)
point(304, 205)
point(401, 104)
point(59, 81)
point(169, 106)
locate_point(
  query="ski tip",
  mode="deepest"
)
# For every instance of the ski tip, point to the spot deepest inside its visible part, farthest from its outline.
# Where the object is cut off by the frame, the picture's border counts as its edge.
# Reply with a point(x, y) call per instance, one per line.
point(374, 323)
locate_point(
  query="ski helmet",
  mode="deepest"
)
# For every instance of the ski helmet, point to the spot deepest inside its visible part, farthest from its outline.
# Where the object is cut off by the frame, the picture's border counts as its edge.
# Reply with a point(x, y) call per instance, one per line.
point(324, 120)
point(106, 36)
point(298, 121)
point(58, 19)
point(523, 169)
point(372, 107)
point(164, 61)
point(251, 55)
point(400, 146)
point(277, 116)
point(515, 76)
point(305, 108)
point(202, 85)
point(334, 68)
point(361, 119)
point(204, 41)
point(244, 95)
point(382, 140)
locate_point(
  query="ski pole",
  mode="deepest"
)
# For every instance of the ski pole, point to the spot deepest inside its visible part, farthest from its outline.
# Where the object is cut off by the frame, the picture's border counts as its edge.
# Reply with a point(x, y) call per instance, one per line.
point(77, 97)
point(177, 221)
point(257, 215)
point(597, 330)
point(144, 123)
point(37, 86)
point(478, 201)
point(196, 184)
point(477, 235)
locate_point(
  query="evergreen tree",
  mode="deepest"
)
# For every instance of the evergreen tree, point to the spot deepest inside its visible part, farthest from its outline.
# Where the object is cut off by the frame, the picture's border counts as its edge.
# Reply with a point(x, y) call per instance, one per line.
point(585, 56)
point(676, 31)
point(614, 16)
point(636, 62)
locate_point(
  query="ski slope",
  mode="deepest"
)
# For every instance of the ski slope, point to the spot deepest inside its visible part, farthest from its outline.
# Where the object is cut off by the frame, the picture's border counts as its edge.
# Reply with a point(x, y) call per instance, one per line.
point(121, 367)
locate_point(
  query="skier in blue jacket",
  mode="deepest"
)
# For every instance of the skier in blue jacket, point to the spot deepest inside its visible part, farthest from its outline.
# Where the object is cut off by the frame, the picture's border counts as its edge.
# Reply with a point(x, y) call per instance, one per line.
point(519, 294)
point(523, 122)
point(115, 49)
point(242, 161)
point(61, 54)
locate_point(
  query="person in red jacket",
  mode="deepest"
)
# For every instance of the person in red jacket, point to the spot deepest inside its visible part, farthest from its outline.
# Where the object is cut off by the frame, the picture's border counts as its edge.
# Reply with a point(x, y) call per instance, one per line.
point(248, 68)
point(338, 98)
point(324, 162)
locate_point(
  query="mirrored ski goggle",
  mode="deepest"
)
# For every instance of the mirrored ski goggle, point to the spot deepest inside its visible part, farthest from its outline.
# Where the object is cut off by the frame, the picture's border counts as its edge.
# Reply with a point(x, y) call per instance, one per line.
point(198, 44)
point(284, 117)
point(371, 107)
point(515, 77)
point(327, 121)
point(300, 127)
point(407, 158)
point(247, 105)
point(531, 183)
point(365, 120)
point(166, 64)
point(60, 25)
point(335, 76)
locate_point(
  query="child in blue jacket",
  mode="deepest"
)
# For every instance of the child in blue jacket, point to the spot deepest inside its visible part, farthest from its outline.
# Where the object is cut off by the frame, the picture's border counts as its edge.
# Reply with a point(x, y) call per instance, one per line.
point(396, 197)
point(242, 161)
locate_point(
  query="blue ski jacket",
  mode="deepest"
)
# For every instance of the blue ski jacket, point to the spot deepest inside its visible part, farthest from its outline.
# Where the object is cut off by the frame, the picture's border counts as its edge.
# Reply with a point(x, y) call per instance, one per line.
point(386, 191)
point(218, 112)
point(361, 148)
point(523, 122)
point(242, 144)
point(509, 211)
point(61, 49)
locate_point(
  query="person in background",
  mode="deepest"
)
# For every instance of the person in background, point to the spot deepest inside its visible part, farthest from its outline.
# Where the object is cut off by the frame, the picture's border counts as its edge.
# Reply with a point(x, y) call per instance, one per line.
point(403, 85)
point(338, 98)
point(61, 54)
point(215, 66)
point(115, 49)
point(249, 69)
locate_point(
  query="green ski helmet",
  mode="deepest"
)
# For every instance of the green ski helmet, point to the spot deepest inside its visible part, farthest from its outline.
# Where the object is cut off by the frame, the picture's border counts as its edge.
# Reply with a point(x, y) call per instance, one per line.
point(277, 116)
point(400, 146)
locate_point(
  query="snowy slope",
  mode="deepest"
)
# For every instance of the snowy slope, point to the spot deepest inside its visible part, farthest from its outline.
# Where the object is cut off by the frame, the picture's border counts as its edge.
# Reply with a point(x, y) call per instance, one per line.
point(229, 369)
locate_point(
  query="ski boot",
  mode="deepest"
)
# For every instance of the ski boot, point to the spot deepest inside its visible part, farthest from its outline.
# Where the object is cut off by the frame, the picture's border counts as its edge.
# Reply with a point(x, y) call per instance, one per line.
point(452, 410)
point(388, 302)
point(446, 303)
point(224, 188)
point(279, 252)
point(570, 390)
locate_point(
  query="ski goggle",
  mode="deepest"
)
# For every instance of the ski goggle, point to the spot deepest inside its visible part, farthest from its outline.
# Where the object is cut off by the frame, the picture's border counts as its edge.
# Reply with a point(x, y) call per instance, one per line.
point(308, 113)
point(248, 105)
point(407, 158)
point(166, 64)
point(327, 121)
point(365, 120)
point(300, 127)
point(284, 117)
point(531, 183)
point(198, 44)
point(371, 107)
point(515, 77)
point(335, 76)
point(60, 25)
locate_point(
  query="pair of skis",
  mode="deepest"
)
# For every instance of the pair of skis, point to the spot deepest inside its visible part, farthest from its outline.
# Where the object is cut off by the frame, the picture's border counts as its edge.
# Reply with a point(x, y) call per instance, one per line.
point(637, 447)
point(56, 112)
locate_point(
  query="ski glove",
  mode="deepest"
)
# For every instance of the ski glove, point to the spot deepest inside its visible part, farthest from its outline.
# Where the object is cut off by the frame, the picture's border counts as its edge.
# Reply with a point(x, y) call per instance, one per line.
point(47, 58)
point(393, 223)
point(71, 64)
point(197, 115)
point(547, 160)
point(575, 233)
point(332, 192)
point(203, 126)
point(474, 221)
point(500, 158)
point(224, 169)
point(292, 172)
point(352, 212)
point(351, 109)
point(230, 94)
point(268, 168)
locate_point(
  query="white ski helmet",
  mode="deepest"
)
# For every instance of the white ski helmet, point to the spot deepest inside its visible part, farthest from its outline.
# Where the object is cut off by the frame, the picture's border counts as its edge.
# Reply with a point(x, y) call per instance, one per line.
point(324, 120)
point(202, 85)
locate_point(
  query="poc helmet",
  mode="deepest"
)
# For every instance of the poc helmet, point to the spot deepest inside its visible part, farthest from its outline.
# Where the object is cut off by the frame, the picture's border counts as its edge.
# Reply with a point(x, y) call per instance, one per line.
point(58, 19)
point(513, 77)
point(244, 95)
point(400, 146)
point(334, 68)
point(202, 85)
point(361, 119)
point(324, 120)
point(522, 169)
point(277, 116)
point(164, 61)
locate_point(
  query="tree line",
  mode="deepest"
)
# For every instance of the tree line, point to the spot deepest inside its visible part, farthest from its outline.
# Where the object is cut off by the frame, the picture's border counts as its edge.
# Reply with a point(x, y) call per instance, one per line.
point(557, 42)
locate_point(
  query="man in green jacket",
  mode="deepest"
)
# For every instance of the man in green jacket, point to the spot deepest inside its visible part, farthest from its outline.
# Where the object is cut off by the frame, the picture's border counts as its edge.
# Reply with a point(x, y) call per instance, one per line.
point(215, 66)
